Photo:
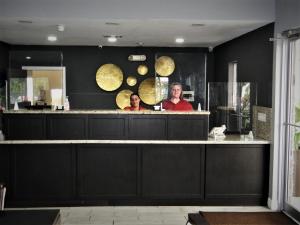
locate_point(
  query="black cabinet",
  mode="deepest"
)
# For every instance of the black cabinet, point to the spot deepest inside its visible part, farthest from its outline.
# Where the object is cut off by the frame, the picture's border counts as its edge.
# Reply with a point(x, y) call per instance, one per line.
point(187, 127)
point(173, 171)
point(120, 174)
point(71, 126)
point(5, 167)
point(110, 127)
point(66, 127)
point(25, 126)
point(107, 171)
point(43, 172)
point(237, 173)
point(145, 127)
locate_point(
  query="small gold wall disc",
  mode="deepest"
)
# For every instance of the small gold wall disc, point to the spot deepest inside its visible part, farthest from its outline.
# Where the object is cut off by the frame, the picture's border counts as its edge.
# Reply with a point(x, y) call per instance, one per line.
point(109, 77)
point(147, 91)
point(142, 70)
point(131, 81)
point(164, 66)
point(123, 98)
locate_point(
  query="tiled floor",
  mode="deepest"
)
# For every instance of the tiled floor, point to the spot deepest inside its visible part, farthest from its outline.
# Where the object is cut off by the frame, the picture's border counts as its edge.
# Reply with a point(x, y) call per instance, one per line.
point(146, 215)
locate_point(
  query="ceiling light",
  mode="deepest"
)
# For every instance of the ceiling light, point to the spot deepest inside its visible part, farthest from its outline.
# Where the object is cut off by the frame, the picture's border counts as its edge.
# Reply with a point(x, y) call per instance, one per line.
point(28, 57)
point(179, 40)
point(60, 27)
point(52, 38)
point(112, 39)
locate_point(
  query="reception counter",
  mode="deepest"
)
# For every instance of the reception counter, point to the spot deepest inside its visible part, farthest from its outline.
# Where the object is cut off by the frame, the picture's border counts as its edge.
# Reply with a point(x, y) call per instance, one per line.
point(105, 124)
point(112, 165)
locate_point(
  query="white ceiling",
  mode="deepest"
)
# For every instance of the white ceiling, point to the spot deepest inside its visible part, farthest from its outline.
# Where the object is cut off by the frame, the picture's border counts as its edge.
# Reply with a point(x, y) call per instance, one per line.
point(153, 23)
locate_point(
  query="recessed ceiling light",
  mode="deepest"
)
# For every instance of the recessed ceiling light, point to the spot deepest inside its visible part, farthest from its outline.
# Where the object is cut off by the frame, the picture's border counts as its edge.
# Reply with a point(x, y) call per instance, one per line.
point(179, 40)
point(60, 27)
point(28, 57)
point(112, 39)
point(52, 38)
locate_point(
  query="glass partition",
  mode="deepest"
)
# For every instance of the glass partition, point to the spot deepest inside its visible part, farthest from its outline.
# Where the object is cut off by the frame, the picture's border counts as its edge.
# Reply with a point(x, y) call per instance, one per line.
point(36, 78)
point(189, 69)
point(231, 104)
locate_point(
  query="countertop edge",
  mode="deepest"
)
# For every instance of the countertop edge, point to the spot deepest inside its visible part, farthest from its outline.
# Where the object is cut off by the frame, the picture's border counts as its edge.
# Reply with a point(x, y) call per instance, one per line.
point(105, 112)
point(186, 142)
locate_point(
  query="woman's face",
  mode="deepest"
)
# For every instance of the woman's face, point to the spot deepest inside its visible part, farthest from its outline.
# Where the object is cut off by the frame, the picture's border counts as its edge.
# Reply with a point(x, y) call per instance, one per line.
point(176, 91)
point(135, 101)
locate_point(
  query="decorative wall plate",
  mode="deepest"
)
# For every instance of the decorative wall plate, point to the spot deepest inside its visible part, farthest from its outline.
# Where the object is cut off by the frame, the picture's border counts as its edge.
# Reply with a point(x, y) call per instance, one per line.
point(131, 81)
point(123, 98)
point(142, 70)
point(109, 77)
point(147, 91)
point(164, 66)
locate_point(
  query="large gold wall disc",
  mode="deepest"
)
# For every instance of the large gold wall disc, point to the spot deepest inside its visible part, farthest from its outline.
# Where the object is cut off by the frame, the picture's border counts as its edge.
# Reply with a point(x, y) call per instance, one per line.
point(109, 77)
point(131, 80)
point(147, 91)
point(123, 98)
point(142, 69)
point(164, 66)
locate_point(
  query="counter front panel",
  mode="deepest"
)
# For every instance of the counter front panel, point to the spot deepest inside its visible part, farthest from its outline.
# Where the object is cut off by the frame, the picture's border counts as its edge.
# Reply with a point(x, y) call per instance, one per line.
point(112, 126)
point(134, 174)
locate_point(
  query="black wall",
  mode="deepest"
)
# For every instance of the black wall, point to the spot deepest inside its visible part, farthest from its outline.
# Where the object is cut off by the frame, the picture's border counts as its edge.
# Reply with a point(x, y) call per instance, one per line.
point(4, 49)
point(82, 63)
point(253, 52)
point(254, 55)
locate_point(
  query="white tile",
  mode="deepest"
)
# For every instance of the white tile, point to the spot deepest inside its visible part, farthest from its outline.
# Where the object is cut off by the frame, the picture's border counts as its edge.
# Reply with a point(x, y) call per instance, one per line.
point(148, 209)
point(145, 215)
point(77, 220)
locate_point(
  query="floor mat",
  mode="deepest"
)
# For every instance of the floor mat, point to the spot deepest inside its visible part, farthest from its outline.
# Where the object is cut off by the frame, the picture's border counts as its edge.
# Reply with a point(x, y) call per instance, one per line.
point(247, 218)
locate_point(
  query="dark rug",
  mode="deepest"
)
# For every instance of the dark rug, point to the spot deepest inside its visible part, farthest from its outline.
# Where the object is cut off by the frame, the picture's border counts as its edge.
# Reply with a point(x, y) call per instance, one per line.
point(243, 218)
point(30, 217)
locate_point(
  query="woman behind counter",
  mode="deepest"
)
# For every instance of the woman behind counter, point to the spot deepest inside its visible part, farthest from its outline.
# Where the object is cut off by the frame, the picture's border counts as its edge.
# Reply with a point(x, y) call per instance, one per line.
point(134, 103)
point(176, 101)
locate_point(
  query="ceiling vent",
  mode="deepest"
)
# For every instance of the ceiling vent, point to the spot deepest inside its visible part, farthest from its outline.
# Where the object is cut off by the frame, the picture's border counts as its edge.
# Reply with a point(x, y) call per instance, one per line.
point(25, 21)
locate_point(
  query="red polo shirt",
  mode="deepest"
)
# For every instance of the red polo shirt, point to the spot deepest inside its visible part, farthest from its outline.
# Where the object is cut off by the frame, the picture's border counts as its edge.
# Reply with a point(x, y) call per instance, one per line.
point(182, 105)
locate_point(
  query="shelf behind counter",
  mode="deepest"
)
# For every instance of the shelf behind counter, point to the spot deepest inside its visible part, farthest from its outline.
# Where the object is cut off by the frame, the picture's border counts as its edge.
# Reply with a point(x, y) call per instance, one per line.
point(105, 124)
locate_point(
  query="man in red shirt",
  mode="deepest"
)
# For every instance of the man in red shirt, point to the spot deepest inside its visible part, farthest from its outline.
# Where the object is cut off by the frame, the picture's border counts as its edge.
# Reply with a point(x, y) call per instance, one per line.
point(176, 101)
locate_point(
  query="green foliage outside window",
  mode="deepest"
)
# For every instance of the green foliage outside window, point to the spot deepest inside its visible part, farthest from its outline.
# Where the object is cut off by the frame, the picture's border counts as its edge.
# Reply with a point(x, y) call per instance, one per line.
point(17, 89)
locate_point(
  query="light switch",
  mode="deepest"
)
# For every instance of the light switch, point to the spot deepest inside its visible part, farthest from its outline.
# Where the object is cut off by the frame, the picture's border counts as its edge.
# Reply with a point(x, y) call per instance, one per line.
point(262, 117)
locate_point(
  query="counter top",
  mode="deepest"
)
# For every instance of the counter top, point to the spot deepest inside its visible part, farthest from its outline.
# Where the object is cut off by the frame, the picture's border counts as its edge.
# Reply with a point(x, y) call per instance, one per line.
point(229, 139)
point(118, 111)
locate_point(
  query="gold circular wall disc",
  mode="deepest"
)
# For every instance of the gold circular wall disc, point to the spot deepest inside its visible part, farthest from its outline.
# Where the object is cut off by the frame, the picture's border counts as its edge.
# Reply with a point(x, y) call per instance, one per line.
point(123, 98)
point(164, 66)
point(147, 91)
point(142, 70)
point(131, 81)
point(109, 77)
